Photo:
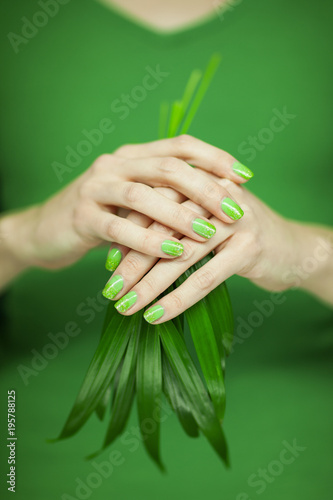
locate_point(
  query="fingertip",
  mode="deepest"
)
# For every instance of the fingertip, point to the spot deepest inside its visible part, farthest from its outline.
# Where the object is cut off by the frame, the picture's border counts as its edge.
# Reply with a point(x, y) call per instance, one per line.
point(243, 172)
point(203, 228)
point(173, 248)
point(113, 259)
point(231, 209)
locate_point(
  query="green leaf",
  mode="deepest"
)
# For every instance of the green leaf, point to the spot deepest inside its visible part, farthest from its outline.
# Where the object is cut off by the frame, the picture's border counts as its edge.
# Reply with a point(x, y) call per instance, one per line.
point(207, 348)
point(176, 400)
point(101, 370)
point(109, 314)
point(218, 306)
point(103, 403)
point(176, 113)
point(149, 389)
point(125, 387)
point(163, 121)
point(192, 388)
point(203, 87)
point(190, 88)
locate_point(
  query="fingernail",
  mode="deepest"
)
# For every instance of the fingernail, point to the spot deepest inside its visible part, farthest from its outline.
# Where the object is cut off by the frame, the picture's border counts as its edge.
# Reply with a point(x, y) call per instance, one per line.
point(126, 302)
point(231, 208)
point(242, 170)
point(113, 287)
point(172, 247)
point(154, 313)
point(203, 228)
point(113, 259)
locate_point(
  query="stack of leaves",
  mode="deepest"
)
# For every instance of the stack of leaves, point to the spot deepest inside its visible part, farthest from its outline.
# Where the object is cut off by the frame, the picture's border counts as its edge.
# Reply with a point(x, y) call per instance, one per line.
point(135, 358)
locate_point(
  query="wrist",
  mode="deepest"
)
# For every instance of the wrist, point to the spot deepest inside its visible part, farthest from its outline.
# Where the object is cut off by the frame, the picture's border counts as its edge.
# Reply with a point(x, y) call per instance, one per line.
point(311, 265)
point(16, 246)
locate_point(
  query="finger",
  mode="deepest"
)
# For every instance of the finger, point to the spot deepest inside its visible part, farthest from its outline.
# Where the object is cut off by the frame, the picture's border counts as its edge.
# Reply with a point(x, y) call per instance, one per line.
point(148, 201)
point(117, 252)
point(195, 185)
point(193, 151)
point(136, 264)
point(110, 227)
point(197, 286)
point(164, 273)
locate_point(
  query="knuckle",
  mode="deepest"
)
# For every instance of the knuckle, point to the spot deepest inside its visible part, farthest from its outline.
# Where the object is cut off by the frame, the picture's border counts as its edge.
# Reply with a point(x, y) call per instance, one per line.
point(146, 242)
point(86, 190)
point(231, 187)
point(175, 301)
point(113, 229)
point(126, 150)
point(134, 192)
point(212, 190)
point(189, 252)
point(132, 264)
point(204, 279)
point(184, 143)
point(101, 163)
point(160, 228)
point(169, 165)
point(150, 286)
point(178, 215)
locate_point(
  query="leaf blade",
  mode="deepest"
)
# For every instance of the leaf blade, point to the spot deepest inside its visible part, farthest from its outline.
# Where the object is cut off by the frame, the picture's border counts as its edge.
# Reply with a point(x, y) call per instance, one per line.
point(149, 389)
point(192, 386)
point(125, 389)
point(103, 366)
point(176, 400)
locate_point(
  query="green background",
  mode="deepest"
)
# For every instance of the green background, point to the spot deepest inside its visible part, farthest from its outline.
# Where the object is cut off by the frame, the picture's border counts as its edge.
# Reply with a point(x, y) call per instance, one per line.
point(276, 55)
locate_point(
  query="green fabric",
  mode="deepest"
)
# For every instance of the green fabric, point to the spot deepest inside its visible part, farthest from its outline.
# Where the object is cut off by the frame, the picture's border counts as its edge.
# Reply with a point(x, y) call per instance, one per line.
point(276, 57)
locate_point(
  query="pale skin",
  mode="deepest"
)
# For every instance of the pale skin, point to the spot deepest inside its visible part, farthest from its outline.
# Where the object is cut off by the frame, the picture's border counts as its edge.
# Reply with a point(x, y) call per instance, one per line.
point(118, 199)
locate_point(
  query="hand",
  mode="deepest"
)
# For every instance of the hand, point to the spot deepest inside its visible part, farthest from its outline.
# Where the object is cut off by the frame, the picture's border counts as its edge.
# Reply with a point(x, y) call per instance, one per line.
point(262, 247)
point(91, 209)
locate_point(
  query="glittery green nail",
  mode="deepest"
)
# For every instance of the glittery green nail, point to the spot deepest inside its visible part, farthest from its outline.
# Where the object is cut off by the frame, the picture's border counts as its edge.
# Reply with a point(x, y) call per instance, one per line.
point(172, 247)
point(126, 302)
point(203, 228)
point(242, 170)
point(231, 208)
point(113, 259)
point(153, 313)
point(113, 287)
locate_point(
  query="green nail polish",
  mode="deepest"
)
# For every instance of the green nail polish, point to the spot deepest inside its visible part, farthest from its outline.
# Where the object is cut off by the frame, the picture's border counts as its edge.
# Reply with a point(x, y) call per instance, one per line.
point(126, 302)
point(242, 170)
point(113, 287)
point(154, 313)
point(203, 228)
point(113, 259)
point(231, 208)
point(172, 247)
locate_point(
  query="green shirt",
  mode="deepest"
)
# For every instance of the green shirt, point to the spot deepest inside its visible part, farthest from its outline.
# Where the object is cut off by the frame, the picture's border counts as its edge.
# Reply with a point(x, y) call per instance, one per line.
point(81, 80)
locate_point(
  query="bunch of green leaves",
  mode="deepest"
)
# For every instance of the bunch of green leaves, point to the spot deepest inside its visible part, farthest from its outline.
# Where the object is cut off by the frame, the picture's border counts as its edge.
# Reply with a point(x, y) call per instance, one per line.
point(134, 358)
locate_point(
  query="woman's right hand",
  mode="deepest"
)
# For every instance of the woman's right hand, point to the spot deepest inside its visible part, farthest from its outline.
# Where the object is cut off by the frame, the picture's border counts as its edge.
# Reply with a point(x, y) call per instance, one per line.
point(92, 209)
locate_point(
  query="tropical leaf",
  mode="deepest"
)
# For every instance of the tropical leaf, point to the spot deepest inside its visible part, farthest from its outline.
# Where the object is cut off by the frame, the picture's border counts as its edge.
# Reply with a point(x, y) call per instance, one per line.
point(125, 387)
point(207, 347)
point(135, 358)
point(103, 403)
point(149, 389)
point(101, 370)
point(192, 388)
point(163, 122)
point(218, 305)
point(200, 94)
point(171, 389)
